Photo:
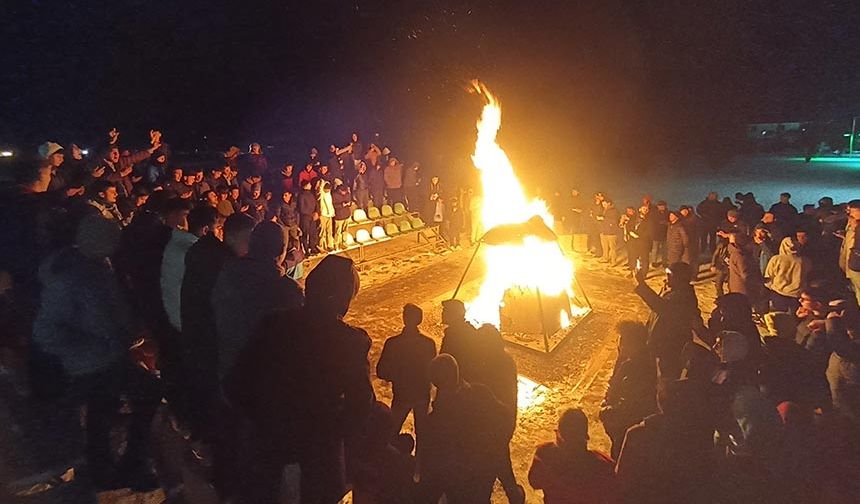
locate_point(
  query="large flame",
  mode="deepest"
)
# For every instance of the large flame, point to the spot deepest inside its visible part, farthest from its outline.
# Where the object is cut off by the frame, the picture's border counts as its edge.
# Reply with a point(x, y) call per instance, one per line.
point(533, 264)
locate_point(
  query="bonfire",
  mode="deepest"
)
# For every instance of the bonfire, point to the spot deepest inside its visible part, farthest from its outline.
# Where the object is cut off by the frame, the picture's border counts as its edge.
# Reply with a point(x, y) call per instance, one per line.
point(528, 285)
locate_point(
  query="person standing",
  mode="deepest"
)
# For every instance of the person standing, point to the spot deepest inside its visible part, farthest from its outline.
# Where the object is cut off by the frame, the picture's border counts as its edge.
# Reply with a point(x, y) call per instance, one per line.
point(660, 226)
point(674, 314)
point(360, 188)
point(720, 258)
point(411, 186)
point(342, 201)
point(249, 287)
point(376, 184)
point(405, 362)
point(849, 253)
point(326, 209)
point(609, 230)
point(677, 240)
point(712, 212)
point(393, 176)
point(744, 272)
point(308, 207)
point(303, 385)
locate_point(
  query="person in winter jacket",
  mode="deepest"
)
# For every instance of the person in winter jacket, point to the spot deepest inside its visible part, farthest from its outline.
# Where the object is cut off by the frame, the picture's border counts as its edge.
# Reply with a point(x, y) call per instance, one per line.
point(632, 391)
point(467, 431)
point(411, 186)
point(286, 211)
point(198, 346)
point(712, 212)
point(674, 315)
point(784, 211)
point(843, 370)
point(86, 327)
point(254, 163)
point(306, 359)
point(460, 337)
point(851, 248)
point(660, 220)
point(341, 198)
point(326, 213)
point(744, 274)
point(677, 240)
point(308, 207)
point(104, 202)
point(376, 184)
point(609, 231)
point(567, 471)
point(678, 440)
point(247, 288)
point(393, 176)
point(405, 362)
point(787, 275)
point(720, 258)
point(360, 188)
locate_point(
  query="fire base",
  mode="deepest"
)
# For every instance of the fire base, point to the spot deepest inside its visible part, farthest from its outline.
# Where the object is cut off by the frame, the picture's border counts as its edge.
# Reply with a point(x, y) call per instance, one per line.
point(534, 321)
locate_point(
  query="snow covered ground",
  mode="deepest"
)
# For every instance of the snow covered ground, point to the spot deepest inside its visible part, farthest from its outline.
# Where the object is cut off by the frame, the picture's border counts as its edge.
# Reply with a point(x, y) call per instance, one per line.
point(765, 176)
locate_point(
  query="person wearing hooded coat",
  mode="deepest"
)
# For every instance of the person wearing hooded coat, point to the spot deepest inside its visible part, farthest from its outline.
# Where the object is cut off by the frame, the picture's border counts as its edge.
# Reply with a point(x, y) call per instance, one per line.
point(674, 315)
point(303, 383)
point(677, 240)
point(787, 274)
point(248, 287)
point(744, 272)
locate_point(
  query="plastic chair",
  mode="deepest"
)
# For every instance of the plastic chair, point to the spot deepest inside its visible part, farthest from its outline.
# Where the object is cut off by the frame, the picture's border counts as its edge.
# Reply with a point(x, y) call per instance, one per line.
point(416, 223)
point(373, 213)
point(399, 208)
point(359, 215)
point(391, 229)
point(387, 211)
point(405, 226)
point(348, 239)
point(362, 236)
point(377, 233)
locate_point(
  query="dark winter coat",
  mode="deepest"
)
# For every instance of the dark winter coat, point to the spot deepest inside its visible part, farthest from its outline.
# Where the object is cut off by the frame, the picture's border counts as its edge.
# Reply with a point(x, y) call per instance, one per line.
point(784, 212)
point(307, 204)
point(677, 244)
point(405, 362)
point(342, 201)
point(304, 382)
point(660, 221)
point(254, 164)
point(286, 214)
point(711, 211)
point(609, 224)
point(246, 289)
point(83, 319)
point(744, 273)
point(461, 342)
point(673, 316)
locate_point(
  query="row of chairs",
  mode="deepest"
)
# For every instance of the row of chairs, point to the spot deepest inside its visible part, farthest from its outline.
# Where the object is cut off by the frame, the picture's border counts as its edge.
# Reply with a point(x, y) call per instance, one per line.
point(398, 225)
point(373, 213)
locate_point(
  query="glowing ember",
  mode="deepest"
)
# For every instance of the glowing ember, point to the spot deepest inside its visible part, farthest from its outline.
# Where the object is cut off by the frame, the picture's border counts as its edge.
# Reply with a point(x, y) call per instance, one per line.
point(529, 393)
point(533, 264)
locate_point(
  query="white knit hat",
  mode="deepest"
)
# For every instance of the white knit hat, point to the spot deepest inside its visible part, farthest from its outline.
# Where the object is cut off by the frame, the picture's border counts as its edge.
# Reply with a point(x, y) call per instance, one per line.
point(49, 148)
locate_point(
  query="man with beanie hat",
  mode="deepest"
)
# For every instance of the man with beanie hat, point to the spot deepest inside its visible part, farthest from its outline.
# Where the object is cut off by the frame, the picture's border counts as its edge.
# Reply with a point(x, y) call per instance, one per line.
point(303, 382)
point(248, 287)
point(720, 258)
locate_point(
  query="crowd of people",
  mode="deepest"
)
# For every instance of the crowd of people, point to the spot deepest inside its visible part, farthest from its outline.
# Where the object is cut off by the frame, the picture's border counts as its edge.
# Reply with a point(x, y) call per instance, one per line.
point(134, 285)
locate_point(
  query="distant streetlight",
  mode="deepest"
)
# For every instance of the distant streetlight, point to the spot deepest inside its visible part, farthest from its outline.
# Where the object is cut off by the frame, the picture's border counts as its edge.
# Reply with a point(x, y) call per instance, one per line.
point(6, 153)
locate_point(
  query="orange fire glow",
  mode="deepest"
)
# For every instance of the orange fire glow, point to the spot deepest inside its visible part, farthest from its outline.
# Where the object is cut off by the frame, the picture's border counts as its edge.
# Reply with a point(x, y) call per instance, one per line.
point(534, 264)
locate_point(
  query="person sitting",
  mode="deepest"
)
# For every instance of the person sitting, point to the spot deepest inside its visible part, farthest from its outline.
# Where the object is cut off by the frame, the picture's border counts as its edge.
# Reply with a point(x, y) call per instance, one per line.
point(567, 471)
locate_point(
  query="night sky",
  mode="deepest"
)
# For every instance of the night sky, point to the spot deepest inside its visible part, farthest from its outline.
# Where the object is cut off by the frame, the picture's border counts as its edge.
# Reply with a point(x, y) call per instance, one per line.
point(579, 81)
